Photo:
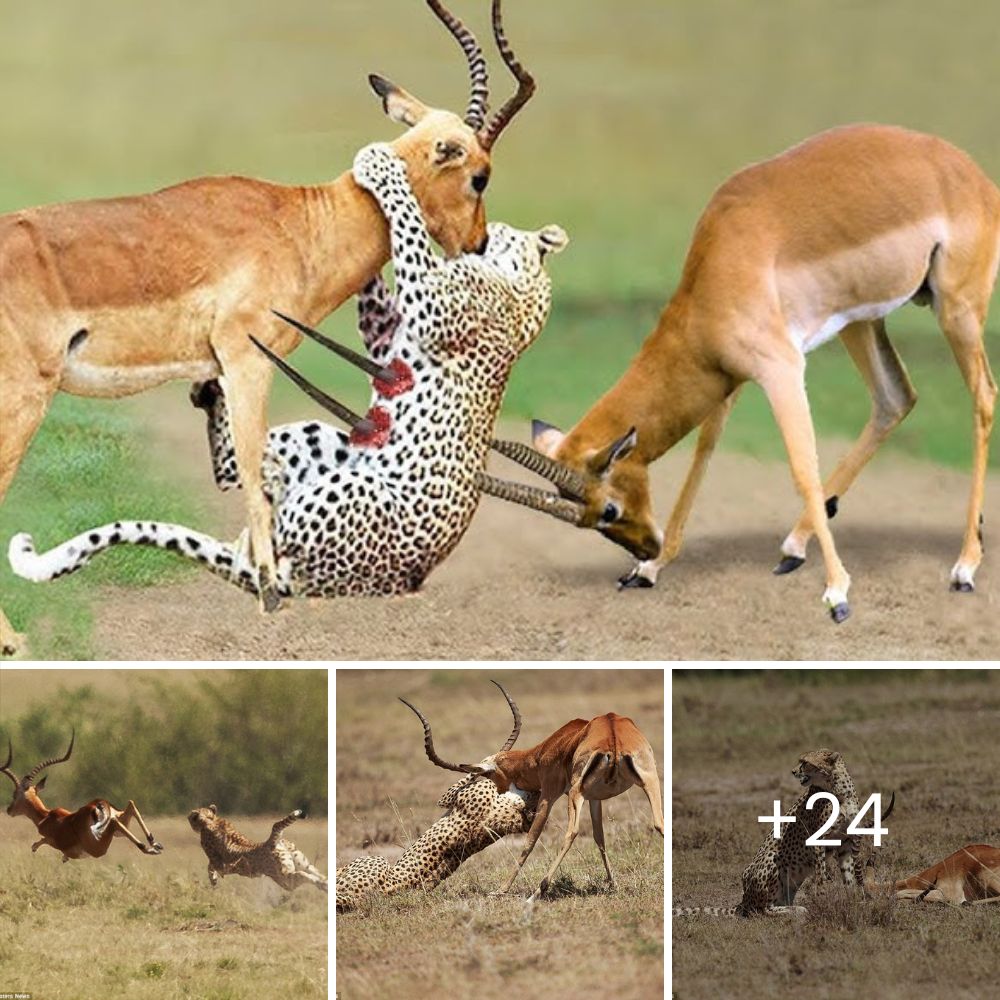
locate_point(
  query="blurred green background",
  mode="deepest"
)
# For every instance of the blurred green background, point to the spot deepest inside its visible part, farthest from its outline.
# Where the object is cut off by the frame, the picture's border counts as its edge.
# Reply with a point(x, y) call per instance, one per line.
point(643, 108)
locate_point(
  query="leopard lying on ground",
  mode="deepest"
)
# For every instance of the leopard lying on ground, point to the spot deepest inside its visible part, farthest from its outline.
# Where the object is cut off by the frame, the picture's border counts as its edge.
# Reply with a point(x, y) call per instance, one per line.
point(230, 853)
point(374, 512)
point(779, 867)
point(478, 815)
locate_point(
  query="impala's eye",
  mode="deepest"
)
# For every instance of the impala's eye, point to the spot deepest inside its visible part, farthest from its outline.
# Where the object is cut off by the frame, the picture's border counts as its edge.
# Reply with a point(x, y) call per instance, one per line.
point(611, 513)
point(479, 182)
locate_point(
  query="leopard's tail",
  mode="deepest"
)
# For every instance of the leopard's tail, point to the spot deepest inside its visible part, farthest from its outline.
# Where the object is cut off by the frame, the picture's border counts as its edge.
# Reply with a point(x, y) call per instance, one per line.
point(283, 825)
point(224, 560)
point(710, 911)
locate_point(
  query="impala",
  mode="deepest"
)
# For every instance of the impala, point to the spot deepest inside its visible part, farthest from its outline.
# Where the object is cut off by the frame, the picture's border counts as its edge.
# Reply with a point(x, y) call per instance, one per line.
point(88, 831)
point(589, 761)
point(969, 876)
point(828, 238)
point(111, 297)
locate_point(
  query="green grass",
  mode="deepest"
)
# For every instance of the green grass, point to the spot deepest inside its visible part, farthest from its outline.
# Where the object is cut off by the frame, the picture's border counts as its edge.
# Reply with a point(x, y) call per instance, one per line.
point(643, 108)
point(85, 468)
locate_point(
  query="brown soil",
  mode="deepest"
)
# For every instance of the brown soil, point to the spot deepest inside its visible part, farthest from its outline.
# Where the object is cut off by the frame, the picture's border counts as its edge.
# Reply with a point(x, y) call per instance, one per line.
point(521, 586)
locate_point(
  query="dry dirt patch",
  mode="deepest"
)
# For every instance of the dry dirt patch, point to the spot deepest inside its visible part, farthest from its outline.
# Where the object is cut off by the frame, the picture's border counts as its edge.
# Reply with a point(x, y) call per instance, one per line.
point(521, 586)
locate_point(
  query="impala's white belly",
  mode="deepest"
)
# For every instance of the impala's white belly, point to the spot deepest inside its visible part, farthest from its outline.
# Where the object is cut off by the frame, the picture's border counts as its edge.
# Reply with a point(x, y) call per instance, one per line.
point(810, 338)
point(80, 378)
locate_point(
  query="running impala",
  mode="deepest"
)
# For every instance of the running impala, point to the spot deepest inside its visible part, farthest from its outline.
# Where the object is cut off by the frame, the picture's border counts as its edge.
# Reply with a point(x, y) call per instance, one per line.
point(826, 239)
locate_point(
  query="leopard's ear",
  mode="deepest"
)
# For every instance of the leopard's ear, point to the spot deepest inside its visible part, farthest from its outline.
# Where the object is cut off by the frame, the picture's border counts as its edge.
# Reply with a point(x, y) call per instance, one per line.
point(213, 809)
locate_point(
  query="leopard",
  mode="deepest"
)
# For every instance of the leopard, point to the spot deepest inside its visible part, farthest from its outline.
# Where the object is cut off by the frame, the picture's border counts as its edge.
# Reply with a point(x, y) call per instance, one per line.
point(778, 869)
point(478, 815)
point(373, 513)
point(230, 853)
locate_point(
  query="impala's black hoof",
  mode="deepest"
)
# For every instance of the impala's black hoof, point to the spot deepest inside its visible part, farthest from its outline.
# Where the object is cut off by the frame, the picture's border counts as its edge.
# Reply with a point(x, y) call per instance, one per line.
point(831, 507)
point(840, 612)
point(270, 600)
point(788, 564)
point(962, 586)
point(632, 580)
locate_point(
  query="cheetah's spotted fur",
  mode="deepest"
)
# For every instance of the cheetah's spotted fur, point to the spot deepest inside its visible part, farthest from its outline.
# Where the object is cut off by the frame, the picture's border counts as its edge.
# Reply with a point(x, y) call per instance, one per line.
point(230, 853)
point(478, 815)
point(355, 520)
point(779, 867)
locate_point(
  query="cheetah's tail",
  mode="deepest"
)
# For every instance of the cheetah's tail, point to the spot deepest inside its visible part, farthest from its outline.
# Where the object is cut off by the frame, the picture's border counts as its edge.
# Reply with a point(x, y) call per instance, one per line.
point(283, 824)
point(710, 911)
point(222, 559)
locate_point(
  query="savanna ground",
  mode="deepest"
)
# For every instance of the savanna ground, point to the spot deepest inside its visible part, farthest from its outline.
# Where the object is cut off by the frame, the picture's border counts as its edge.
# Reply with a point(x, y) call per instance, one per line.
point(642, 110)
point(455, 941)
point(151, 926)
point(928, 735)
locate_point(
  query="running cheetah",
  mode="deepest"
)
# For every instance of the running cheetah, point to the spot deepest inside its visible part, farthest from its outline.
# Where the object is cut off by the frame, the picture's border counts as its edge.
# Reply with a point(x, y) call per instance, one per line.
point(230, 853)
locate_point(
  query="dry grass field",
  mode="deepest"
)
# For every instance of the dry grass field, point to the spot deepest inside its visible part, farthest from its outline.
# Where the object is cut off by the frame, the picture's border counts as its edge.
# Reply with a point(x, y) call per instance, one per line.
point(929, 735)
point(152, 927)
point(456, 941)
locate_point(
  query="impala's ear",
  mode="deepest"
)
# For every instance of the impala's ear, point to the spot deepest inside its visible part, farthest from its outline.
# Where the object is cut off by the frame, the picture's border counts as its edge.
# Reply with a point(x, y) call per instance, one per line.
point(41, 784)
point(600, 463)
point(400, 106)
point(546, 438)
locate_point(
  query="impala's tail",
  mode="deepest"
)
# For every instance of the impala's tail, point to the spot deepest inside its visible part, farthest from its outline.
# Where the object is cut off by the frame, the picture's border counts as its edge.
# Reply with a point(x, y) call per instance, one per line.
point(218, 557)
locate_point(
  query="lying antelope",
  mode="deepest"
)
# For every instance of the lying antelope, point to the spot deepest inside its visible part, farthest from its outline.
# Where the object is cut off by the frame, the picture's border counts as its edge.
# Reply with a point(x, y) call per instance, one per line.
point(111, 297)
point(373, 512)
point(88, 831)
point(969, 876)
point(828, 238)
point(586, 761)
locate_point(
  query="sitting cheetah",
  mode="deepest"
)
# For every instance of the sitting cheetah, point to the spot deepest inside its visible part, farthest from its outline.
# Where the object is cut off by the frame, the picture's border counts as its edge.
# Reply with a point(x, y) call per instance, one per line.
point(230, 853)
point(478, 815)
point(779, 867)
point(374, 511)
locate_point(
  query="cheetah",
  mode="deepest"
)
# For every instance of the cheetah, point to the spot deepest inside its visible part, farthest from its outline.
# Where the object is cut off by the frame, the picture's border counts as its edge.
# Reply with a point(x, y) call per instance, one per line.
point(779, 867)
point(373, 512)
point(230, 853)
point(477, 815)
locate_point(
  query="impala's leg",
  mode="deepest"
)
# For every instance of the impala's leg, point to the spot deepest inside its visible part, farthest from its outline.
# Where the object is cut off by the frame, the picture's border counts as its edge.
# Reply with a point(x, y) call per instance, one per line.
point(644, 574)
point(649, 780)
point(123, 819)
point(783, 381)
point(597, 821)
point(963, 326)
point(25, 396)
point(893, 396)
point(248, 378)
point(575, 801)
point(541, 815)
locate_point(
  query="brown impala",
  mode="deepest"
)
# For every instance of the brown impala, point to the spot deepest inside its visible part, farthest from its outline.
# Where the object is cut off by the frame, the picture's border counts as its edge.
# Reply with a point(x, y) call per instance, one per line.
point(589, 761)
point(111, 297)
point(88, 831)
point(824, 240)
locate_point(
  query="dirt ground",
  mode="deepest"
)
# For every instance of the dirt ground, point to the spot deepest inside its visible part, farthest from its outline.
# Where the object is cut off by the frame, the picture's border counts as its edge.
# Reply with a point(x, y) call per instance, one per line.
point(522, 586)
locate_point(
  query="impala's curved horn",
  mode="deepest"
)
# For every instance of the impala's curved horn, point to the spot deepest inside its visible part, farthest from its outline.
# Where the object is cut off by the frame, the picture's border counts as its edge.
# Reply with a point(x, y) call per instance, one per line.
point(340, 411)
point(475, 113)
point(429, 747)
point(368, 366)
point(5, 767)
point(512, 739)
point(531, 496)
point(525, 85)
point(38, 768)
point(556, 473)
